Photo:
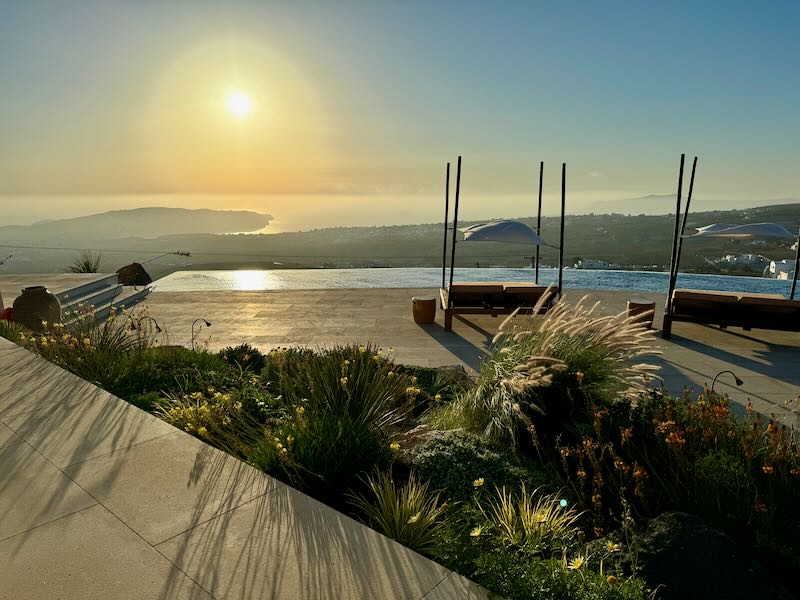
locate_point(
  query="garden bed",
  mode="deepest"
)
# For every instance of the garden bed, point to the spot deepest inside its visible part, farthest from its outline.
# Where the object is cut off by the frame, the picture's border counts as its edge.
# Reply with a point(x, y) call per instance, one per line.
point(539, 478)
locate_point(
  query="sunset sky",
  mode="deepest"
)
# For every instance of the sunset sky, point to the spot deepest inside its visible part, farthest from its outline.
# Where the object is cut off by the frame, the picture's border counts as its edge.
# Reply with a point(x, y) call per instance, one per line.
point(347, 111)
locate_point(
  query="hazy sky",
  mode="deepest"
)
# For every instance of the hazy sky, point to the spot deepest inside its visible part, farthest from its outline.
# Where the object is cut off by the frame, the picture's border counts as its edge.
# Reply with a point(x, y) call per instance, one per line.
point(356, 106)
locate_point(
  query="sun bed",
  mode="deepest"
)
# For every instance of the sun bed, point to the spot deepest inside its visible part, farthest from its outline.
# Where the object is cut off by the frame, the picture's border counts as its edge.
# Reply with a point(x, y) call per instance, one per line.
point(733, 309)
point(488, 298)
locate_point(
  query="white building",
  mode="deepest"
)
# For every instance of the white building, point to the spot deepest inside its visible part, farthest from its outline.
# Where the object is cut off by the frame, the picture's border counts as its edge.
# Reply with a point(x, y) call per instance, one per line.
point(781, 269)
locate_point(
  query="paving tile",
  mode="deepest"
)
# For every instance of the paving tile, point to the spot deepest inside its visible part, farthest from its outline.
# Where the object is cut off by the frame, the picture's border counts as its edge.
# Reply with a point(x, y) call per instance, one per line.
point(456, 587)
point(167, 486)
point(33, 492)
point(8, 437)
point(287, 545)
point(30, 382)
point(89, 555)
point(73, 431)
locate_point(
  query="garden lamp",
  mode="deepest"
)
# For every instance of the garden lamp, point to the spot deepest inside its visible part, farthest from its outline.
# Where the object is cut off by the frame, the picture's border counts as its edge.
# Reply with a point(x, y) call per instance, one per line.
point(738, 381)
point(202, 322)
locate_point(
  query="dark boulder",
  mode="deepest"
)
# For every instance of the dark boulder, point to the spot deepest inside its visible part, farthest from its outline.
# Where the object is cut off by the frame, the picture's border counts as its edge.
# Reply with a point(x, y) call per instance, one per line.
point(134, 274)
point(691, 560)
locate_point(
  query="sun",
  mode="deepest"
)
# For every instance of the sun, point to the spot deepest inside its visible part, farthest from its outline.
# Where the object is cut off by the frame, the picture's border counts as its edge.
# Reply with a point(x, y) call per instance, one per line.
point(238, 104)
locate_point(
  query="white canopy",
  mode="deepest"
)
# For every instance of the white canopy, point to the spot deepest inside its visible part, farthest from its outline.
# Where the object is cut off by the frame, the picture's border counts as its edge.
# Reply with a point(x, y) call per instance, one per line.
point(749, 231)
point(508, 231)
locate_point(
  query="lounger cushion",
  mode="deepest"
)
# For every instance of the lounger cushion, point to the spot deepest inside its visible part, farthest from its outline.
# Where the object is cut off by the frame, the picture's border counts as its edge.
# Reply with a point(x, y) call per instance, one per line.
point(476, 287)
point(778, 302)
point(705, 296)
point(523, 288)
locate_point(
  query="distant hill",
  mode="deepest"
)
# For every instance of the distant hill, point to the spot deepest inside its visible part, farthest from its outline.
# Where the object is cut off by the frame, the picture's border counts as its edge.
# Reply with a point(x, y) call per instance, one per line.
point(662, 204)
point(635, 242)
point(138, 222)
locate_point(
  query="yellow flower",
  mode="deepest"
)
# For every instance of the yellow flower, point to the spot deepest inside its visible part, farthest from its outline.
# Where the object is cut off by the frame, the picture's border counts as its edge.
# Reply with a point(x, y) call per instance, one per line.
point(347, 362)
point(87, 342)
point(44, 324)
point(476, 532)
point(413, 518)
point(611, 580)
point(390, 373)
point(478, 482)
point(579, 376)
point(362, 348)
point(577, 563)
point(437, 397)
point(300, 410)
point(612, 547)
point(211, 390)
point(237, 406)
point(284, 451)
point(343, 380)
point(394, 446)
point(202, 432)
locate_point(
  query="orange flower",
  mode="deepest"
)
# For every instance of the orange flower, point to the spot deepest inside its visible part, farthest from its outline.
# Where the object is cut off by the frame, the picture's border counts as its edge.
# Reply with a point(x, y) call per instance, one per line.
point(626, 434)
point(581, 473)
point(772, 428)
point(760, 506)
point(639, 472)
point(768, 469)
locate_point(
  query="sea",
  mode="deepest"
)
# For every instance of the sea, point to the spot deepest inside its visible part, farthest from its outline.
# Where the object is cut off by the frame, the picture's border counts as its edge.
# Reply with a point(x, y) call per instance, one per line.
point(309, 279)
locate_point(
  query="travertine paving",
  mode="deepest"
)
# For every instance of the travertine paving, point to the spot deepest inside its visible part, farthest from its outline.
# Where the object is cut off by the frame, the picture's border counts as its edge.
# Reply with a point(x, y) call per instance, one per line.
point(768, 362)
point(99, 500)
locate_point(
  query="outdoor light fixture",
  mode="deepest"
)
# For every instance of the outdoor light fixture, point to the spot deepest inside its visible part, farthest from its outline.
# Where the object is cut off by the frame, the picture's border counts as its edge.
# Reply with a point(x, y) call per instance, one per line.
point(202, 322)
point(738, 381)
point(146, 318)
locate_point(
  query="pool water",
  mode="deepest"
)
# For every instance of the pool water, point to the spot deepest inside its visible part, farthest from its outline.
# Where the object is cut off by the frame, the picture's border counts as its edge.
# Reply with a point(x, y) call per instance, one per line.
point(308, 279)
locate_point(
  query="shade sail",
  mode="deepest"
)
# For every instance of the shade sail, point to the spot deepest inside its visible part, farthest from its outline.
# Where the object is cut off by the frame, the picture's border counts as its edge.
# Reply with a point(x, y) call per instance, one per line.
point(510, 232)
point(749, 231)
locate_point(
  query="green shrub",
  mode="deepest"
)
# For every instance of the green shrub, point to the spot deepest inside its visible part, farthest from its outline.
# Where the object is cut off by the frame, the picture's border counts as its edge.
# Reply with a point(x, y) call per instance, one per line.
point(322, 454)
point(451, 463)
point(245, 356)
point(409, 513)
point(352, 382)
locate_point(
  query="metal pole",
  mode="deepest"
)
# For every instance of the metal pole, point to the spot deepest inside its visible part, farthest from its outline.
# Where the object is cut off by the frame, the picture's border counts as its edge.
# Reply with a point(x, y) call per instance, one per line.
point(539, 220)
point(561, 241)
point(455, 224)
point(683, 226)
point(675, 234)
point(446, 216)
point(796, 265)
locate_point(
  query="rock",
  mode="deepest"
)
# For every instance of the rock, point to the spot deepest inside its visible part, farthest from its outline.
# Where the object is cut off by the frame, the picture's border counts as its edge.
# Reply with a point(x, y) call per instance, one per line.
point(691, 560)
point(134, 274)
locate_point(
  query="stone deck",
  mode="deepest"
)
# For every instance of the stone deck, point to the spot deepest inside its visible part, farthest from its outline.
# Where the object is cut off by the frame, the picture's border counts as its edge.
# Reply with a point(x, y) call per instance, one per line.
point(767, 361)
point(102, 501)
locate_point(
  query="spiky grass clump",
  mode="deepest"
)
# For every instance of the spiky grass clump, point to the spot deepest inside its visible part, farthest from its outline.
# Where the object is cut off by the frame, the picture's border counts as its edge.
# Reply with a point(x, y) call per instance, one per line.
point(532, 522)
point(409, 514)
point(555, 369)
point(86, 262)
point(11, 330)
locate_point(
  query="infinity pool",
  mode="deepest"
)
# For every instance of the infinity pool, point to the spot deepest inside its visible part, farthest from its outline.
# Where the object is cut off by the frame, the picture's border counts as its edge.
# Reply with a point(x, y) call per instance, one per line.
point(306, 279)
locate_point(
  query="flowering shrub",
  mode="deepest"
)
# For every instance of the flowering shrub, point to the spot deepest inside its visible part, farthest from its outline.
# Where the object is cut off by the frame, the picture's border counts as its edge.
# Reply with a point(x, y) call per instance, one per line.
point(742, 476)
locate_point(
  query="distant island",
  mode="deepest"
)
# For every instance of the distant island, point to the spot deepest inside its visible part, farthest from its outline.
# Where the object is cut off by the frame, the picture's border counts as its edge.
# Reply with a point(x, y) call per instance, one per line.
point(639, 242)
point(147, 222)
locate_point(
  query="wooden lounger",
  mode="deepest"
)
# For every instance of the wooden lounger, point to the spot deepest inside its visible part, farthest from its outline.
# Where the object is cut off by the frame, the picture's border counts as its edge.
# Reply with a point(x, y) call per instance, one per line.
point(487, 298)
point(748, 311)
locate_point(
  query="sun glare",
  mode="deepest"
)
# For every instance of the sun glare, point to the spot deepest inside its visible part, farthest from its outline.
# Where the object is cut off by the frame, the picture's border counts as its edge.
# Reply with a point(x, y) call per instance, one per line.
point(239, 104)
